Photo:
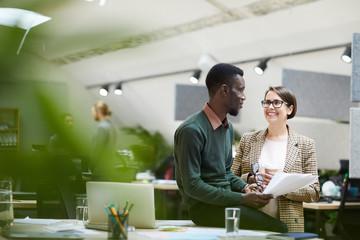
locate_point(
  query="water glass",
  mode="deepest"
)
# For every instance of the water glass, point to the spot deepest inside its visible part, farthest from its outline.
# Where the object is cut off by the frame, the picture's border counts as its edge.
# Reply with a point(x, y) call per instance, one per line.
point(6, 205)
point(232, 221)
point(81, 210)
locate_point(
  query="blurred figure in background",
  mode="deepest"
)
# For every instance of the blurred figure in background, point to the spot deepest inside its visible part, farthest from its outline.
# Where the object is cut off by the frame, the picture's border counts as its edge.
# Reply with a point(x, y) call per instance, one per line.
point(57, 142)
point(103, 148)
point(60, 148)
point(65, 160)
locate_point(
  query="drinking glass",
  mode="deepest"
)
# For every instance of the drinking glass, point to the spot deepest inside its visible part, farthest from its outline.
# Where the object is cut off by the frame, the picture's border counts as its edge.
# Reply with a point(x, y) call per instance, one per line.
point(6, 205)
point(232, 220)
point(81, 210)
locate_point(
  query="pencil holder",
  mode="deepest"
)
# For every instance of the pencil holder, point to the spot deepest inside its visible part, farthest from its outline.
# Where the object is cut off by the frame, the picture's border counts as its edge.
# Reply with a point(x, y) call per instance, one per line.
point(117, 227)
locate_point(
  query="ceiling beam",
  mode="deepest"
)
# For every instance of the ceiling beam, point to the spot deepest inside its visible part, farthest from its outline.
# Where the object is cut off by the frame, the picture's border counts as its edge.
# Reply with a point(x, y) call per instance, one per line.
point(258, 8)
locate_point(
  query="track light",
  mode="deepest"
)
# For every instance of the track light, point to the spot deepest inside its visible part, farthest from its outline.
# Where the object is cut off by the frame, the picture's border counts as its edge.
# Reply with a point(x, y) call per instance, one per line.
point(104, 90)
point(346, 56)
point(118, 90)
point(195, 77)
point(259, 69)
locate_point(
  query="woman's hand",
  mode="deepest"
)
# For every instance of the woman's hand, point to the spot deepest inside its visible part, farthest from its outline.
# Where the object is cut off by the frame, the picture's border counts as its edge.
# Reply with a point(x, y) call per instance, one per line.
point(253, 188)
point(267, 177)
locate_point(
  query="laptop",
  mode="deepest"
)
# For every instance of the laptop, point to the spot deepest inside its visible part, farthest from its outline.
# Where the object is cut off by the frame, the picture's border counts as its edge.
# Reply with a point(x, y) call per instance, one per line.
point(100, 194)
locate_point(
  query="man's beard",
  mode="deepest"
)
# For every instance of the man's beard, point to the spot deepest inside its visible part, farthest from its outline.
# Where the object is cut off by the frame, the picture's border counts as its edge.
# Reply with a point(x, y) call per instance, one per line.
point(234, 112)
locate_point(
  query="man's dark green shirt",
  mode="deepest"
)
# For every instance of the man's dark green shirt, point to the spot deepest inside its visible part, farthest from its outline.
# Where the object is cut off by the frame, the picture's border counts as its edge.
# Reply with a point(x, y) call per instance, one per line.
point(203, 158)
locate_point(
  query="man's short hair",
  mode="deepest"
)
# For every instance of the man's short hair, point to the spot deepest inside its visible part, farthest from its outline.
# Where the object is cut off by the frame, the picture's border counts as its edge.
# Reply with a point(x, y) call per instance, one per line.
point(219, 74)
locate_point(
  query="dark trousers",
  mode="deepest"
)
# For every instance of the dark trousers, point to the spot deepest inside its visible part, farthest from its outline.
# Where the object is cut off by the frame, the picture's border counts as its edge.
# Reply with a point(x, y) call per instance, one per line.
point(250, 218)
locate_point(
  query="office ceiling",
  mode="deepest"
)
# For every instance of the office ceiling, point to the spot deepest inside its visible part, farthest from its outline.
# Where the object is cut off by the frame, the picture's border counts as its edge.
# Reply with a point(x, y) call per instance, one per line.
point(103, 41)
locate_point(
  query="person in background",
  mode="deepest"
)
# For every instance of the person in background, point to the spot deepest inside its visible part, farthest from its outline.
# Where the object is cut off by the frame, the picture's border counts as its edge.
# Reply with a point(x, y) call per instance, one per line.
point(203, 157)
point(65, 159)
point(280, 149)
point(103, 150)
point(60, 148)
point(57, 142)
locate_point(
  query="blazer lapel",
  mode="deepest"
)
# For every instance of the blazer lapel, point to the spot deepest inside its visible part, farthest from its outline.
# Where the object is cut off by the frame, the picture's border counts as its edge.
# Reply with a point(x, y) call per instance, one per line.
point(292, 151)
point(256, 146)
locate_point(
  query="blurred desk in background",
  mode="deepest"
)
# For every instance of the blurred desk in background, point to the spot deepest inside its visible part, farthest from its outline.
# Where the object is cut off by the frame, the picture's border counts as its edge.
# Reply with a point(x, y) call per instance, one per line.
point(25, 208)
point(24, 204)
point(168, 200)
point(320, 208)
point(165, 184)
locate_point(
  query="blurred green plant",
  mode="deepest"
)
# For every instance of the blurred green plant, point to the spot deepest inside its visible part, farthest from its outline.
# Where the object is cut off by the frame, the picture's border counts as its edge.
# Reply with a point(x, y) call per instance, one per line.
point(150, 149)
point(237, 137)
point(326, 175)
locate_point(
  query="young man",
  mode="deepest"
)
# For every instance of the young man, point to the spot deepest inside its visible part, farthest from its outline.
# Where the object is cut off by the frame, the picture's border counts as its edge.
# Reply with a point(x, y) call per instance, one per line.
point(203, 158)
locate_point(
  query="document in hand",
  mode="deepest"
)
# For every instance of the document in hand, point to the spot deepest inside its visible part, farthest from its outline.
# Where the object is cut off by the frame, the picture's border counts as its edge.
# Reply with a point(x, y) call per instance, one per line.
point(283, 183)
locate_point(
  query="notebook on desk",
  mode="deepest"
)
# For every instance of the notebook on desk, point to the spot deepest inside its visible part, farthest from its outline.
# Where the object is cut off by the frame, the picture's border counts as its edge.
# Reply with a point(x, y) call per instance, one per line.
point(100, 194)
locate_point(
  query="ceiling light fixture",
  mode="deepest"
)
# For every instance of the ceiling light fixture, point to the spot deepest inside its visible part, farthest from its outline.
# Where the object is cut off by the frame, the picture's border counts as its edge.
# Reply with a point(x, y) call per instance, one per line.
point(346, 56)
point(14, 17)
point(104, 90)
point(195, 77)
point(118, 90)
point(259, 69)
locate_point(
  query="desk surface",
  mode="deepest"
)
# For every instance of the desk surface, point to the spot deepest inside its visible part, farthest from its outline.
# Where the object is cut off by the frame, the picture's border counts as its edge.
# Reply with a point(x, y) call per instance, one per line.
point(138, 234)
point(166, 186)
point(24, 203)
point(334, 205)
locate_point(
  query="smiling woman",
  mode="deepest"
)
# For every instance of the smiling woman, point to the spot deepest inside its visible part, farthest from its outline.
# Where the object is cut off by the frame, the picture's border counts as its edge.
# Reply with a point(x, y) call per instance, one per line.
point(286, 150)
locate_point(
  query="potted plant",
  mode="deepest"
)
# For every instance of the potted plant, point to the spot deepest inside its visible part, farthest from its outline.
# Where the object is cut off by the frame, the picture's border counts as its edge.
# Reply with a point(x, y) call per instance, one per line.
point(149, 148)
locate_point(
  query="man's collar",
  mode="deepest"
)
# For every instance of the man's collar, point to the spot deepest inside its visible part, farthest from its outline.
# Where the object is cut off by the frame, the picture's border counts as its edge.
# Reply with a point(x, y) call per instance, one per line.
point(215, 121)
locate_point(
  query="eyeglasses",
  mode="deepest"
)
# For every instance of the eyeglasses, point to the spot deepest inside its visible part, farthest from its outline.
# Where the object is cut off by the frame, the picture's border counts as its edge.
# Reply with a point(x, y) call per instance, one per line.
point(276, 103)
point(258, 178)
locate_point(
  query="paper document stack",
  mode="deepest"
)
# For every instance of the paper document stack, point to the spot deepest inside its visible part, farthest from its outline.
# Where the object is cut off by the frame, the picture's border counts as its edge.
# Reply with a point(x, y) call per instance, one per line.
point(283, 183)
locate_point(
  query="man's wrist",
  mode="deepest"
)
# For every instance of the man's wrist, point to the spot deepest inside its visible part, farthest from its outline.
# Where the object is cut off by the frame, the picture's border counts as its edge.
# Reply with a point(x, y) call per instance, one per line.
point(244, 188)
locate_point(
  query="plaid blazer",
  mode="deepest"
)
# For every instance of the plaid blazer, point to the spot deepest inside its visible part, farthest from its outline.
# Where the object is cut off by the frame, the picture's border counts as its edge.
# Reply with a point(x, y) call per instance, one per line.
point(300, 158)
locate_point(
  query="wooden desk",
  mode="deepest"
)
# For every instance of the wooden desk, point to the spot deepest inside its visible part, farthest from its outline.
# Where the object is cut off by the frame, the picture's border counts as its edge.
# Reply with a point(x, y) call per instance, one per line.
point(163, 198)
point(24, 204)
point(334, 205)
point(169, 187)
point(187, 227)
point(320, 208)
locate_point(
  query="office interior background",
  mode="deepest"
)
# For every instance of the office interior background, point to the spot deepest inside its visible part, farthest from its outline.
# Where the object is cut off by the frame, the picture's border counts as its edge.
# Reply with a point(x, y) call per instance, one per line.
point(153, 47)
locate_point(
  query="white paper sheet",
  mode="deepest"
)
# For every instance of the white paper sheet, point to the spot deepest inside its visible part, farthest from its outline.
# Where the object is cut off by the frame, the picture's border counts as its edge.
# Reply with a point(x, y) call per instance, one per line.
point(37, 221)
point(221, 232)
point(69, 228)
point(283, 183)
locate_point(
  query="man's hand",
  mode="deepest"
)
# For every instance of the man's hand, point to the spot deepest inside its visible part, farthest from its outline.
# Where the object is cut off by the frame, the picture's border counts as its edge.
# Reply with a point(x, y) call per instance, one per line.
point(256, 200)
